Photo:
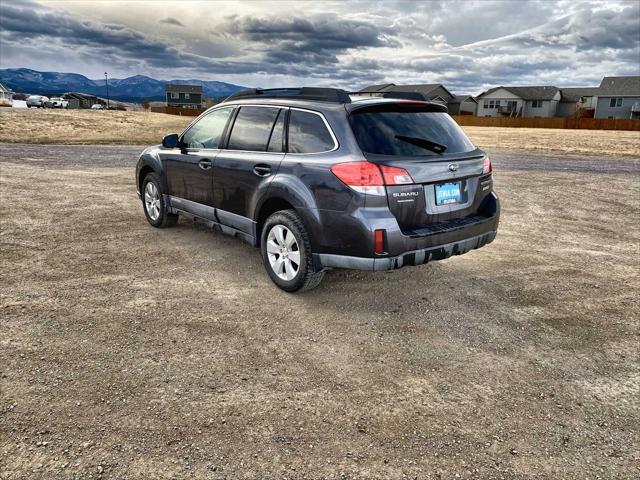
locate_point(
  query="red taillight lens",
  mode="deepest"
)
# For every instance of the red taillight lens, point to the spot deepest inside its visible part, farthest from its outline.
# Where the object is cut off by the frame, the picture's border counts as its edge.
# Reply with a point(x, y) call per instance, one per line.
point(395, 175)
point(367, 177)
point(358, 174)
point(486, 165)
point(379, 242)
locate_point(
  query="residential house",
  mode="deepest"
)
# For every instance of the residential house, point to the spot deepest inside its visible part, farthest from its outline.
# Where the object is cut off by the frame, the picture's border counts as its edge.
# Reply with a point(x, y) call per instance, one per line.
point(434, 92)
point(577, 102)
point(618, 97)
point(184, 96)
point(6, 95)
point(82, 100)
point(462, 105)
point(533, 101)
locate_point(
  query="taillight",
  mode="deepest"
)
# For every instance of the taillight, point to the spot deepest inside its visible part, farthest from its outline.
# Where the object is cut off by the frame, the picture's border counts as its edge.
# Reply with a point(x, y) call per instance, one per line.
point(395, 175)
point(486, 165)
point(363, 177)
point(367, 177)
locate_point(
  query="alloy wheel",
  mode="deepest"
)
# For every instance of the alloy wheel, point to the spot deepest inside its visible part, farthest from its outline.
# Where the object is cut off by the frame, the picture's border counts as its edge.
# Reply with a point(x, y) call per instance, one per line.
point(283, 252)
point(152, 201)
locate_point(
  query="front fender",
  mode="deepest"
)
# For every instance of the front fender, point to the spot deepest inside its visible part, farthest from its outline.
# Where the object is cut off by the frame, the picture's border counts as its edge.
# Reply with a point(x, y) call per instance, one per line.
point(150, 160)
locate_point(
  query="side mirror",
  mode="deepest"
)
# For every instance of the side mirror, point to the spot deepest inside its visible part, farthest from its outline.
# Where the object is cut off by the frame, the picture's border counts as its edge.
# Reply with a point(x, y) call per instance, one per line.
point(170, 141)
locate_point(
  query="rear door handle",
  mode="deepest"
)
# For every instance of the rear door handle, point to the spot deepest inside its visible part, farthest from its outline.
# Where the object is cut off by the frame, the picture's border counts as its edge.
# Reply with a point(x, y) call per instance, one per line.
point(262, 170)
point(205, 164)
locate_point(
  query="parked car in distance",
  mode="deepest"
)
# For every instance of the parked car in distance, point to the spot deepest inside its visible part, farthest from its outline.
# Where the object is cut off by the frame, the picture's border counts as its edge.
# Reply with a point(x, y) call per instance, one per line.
point(319, 179)
point(97, 106)
point(57, 102)
point(37, 101)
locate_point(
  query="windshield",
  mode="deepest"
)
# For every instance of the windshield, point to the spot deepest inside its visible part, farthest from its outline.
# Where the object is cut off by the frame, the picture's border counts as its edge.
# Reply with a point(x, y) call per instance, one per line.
point(403, 132)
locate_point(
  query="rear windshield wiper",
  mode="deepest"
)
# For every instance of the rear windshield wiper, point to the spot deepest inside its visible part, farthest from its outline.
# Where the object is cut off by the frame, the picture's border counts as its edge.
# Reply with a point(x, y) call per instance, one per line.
point(423, 143)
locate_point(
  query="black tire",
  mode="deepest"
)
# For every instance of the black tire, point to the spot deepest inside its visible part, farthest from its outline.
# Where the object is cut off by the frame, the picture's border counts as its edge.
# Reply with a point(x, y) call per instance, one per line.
point(164, 219)
point(306, 278)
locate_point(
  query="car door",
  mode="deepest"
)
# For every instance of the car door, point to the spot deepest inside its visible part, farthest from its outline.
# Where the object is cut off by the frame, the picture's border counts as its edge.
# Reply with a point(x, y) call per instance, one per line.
point(246, 165)
point(189, 168)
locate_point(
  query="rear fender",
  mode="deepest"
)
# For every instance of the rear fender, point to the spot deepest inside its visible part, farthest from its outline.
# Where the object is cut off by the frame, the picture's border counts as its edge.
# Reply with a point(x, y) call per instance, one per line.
point(288, 188)
point(293, 191)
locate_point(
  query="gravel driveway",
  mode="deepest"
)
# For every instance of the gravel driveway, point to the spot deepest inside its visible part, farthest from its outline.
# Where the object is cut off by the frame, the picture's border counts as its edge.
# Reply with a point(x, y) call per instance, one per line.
point(128, 352)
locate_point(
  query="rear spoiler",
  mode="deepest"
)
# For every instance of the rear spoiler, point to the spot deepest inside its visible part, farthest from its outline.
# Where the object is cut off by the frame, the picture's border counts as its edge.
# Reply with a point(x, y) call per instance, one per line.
point(400, 95)
point(408, 105)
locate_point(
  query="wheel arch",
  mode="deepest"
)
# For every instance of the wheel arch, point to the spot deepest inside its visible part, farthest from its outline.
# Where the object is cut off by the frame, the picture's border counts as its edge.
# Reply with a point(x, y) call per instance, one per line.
point(268, 207)
point(149, 163)
point(144, 171)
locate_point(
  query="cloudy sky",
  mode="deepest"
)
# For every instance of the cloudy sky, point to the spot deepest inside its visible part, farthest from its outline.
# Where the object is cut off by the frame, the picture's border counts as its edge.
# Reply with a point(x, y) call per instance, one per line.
point(467, 45)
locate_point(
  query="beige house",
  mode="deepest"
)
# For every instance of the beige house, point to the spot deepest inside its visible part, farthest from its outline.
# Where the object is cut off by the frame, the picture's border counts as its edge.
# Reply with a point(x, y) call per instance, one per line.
point(533, 101)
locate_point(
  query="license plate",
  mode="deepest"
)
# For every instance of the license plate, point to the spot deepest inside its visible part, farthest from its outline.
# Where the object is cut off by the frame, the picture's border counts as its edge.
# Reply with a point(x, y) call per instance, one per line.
point(448, 193)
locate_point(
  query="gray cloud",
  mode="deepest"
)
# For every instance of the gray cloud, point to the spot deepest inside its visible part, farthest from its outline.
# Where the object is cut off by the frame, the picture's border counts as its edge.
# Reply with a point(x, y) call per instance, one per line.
point(559, 43)
point(312, 41)
point(172, 21)
point(115, 44)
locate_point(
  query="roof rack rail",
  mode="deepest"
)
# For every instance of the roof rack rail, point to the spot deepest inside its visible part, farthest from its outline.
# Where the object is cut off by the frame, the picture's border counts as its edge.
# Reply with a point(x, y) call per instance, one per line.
point(334, 95)
point(399, 95)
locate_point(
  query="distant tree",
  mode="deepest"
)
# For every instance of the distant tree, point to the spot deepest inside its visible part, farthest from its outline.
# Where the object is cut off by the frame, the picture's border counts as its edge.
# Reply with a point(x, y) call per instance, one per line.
point(145, 104)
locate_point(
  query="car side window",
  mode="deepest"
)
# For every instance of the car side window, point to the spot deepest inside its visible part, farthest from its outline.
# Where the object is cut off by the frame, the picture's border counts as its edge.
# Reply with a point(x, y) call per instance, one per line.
point(308, 133)
point(275, 142)
point(252, 128)
point(207, 132)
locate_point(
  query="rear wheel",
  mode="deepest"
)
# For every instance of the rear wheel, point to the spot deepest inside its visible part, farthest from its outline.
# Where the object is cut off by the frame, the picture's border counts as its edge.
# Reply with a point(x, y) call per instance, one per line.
point(153, 203)
point(286, 252)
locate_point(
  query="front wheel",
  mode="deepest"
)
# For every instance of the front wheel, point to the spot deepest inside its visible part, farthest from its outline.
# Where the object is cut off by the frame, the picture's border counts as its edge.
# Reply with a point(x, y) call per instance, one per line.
point(153, 203)
point(286, 253)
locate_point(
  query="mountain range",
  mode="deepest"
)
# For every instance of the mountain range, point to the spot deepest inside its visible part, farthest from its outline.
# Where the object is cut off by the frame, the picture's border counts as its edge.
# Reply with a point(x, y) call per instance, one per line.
point(130, 89)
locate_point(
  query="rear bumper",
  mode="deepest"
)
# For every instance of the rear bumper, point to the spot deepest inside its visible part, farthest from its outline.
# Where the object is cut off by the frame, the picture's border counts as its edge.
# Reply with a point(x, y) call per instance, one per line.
point(416, 257)
point(435, 242)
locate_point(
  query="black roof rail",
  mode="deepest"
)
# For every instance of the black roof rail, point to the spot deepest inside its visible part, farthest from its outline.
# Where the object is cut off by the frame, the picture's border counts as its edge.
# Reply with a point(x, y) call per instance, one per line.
point(334, 95)
point(399, 95)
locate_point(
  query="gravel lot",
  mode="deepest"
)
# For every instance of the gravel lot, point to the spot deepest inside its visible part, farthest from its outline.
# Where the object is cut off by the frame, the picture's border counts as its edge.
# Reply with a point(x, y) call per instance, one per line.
point(128, 352)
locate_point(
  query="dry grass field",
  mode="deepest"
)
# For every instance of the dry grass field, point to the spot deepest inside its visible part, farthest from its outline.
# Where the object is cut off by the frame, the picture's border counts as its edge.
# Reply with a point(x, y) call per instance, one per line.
point(140, 128)
point(86, 126)
point(590, 142)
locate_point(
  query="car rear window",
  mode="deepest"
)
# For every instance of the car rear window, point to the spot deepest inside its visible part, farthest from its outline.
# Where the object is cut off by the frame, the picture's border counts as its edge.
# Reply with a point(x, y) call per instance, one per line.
point(308, 133)
point(252, 128)
point(402, 131)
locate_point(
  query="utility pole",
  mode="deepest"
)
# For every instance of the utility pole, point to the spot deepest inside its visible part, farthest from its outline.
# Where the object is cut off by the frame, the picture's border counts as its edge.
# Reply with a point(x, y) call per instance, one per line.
point(106, 82)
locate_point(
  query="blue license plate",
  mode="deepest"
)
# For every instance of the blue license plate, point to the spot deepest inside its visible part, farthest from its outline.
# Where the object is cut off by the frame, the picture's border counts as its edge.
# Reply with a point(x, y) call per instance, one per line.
point(448, 193)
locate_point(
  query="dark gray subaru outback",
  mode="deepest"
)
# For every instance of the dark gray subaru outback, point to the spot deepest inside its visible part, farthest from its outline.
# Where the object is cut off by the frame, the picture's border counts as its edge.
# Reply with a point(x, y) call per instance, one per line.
point(319, 178)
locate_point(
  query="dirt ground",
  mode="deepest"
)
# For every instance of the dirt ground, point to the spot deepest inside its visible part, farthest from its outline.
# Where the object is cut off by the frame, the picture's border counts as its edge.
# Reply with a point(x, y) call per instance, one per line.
point(128, 352)
point(113, 127)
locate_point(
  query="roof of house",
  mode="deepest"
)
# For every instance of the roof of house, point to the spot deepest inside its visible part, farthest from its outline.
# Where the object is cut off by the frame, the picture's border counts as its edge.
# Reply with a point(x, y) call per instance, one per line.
point(623, 86)
point(171, 87)
point(462, 98)
point(545, 92)
point(574, 94)
point(377, 88)
point(425, 88)
point(4, 89)
point(79, 96)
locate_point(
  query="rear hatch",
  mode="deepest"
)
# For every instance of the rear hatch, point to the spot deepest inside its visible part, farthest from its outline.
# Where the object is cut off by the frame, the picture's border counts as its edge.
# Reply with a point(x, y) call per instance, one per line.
point(450, 177)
